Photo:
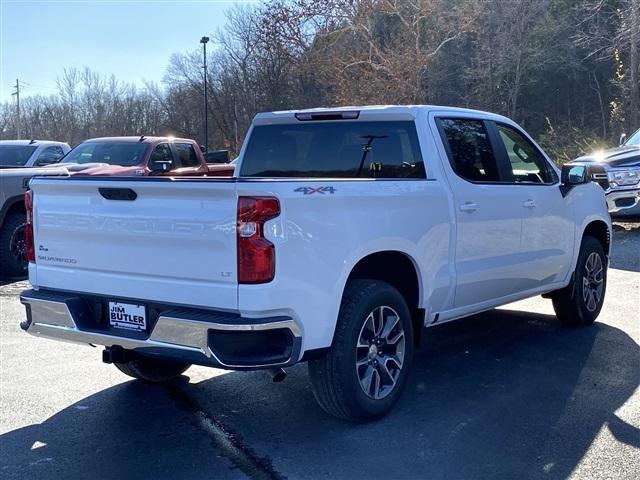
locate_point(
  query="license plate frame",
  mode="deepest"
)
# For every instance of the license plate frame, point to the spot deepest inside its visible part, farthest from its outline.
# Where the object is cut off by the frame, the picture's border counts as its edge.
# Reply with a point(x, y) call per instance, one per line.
point(127, 316)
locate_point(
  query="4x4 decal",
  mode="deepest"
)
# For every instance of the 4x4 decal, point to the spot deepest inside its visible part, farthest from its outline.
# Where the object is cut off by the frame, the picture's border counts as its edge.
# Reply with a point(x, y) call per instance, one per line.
point(312, 190)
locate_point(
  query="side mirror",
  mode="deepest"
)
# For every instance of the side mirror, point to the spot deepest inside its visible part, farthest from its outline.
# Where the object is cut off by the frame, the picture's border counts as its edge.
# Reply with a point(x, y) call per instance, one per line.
point(623, 138)
point(574, 174)
point(218, 156)
point(43, 161)
point(160, 167)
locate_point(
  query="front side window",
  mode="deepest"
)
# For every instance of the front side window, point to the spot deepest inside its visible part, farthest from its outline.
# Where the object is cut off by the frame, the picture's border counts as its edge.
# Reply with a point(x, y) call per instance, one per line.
point(126, 154)
point(50, 155)
point(15, 155)
point(161, 158)
point(336, 149)
point(187, 154)
point(527, 164)
point(469, 149)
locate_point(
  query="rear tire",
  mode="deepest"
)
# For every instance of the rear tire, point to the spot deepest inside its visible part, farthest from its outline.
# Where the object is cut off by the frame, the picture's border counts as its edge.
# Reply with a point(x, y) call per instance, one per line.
point(152, 370)
point(364, 374)
point(13, 262)
point(580, 302)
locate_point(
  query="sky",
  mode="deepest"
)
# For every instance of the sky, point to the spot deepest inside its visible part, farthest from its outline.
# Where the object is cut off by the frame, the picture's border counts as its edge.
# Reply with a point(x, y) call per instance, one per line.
point(132, 40)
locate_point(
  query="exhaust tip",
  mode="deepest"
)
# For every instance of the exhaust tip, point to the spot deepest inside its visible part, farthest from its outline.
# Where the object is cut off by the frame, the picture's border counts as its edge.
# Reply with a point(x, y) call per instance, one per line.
point(277, 374)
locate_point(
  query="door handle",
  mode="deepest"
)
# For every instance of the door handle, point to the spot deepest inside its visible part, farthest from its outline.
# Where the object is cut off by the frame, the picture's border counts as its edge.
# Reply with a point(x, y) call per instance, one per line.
point(529, 203)
point(468, 207)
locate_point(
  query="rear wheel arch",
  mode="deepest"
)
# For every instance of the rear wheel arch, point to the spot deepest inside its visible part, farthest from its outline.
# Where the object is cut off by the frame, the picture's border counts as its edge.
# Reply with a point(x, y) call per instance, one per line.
point(399, 270)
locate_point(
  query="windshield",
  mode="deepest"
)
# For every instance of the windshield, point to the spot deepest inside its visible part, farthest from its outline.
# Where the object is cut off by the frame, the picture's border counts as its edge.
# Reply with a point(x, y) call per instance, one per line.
point(633, 139)
point(126, 154)
point(15, 155)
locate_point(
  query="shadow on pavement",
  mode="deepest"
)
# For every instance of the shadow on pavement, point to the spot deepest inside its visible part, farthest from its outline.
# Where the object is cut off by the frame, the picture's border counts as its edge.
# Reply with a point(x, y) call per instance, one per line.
point(625, 252)
point(501, 394)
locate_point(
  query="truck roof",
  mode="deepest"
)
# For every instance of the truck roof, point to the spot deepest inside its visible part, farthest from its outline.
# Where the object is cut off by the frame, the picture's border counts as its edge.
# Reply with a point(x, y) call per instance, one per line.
point(31, 142)
point(138, 139)
point(374, 112)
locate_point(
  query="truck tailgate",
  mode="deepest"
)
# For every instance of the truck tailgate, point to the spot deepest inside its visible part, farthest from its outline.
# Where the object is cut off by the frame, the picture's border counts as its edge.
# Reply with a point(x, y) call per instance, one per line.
point(147, 239)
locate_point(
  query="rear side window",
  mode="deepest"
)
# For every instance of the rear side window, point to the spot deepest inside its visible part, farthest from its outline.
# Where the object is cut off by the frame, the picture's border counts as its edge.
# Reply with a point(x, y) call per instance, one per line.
point(187, 154)
point(469, 149)
point(334, 150)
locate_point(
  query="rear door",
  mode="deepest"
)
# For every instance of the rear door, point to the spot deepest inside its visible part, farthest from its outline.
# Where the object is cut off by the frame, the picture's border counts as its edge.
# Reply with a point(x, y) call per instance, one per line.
point(488, 219)
point(152, 238)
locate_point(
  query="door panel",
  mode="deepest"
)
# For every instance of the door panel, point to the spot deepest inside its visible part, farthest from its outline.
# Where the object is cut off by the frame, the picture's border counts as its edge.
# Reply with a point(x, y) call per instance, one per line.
point(488, 257)
point(547, 229)
point(547, 235)
point(489, 221)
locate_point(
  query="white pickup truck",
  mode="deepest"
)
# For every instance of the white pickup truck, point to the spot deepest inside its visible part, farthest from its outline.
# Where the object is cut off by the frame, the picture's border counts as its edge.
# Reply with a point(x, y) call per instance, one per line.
point(341, 235)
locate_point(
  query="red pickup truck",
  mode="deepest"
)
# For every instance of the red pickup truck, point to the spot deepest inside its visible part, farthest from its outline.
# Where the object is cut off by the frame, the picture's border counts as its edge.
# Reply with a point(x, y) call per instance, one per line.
point(132, 156)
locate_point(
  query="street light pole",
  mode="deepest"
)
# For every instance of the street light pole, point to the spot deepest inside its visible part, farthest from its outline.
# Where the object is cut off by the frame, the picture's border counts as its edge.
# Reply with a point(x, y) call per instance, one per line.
point(204, 41)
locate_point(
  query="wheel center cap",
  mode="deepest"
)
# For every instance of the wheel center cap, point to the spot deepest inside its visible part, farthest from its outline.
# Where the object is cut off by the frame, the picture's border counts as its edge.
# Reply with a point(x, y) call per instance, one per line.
point(373, 351)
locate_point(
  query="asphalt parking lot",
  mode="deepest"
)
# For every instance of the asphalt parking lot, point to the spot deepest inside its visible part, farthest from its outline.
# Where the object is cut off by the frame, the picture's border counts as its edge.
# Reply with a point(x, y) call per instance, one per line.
point(506, 394)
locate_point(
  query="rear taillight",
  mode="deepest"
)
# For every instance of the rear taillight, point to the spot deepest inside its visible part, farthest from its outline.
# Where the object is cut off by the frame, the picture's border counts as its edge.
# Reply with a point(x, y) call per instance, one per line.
point(256, 254)
point(29, 251)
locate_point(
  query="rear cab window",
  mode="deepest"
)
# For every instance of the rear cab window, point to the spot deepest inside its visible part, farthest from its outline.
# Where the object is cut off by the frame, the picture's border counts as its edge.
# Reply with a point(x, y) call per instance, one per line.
point(334, 149)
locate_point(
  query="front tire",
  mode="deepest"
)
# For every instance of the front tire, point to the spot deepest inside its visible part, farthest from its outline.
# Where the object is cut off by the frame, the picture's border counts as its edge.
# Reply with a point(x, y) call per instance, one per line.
point(152, 370)
point(581, 301)
point(364, 374)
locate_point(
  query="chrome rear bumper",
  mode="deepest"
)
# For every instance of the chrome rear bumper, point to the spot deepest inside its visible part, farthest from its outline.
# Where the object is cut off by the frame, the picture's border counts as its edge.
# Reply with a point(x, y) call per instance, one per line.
point(184, 334)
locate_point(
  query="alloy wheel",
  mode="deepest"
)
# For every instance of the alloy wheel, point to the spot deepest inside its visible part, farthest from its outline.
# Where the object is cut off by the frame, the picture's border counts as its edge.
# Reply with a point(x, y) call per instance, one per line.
point(380, 352)
point(593, 281)
point(17, 246)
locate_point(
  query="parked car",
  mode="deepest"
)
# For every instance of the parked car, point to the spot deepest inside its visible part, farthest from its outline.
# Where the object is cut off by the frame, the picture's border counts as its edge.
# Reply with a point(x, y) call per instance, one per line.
point(31, 153)
point(141, 155)
point(343, 233)
point(13, 184)
point(619, 176)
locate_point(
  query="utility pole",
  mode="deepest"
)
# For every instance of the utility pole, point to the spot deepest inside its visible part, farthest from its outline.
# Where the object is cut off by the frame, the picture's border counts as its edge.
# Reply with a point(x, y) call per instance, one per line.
point(204, 41)
point(17, 94)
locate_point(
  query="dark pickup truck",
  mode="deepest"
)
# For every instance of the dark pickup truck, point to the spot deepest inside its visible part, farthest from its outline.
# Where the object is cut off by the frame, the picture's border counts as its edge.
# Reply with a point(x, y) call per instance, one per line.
point(133, 156)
